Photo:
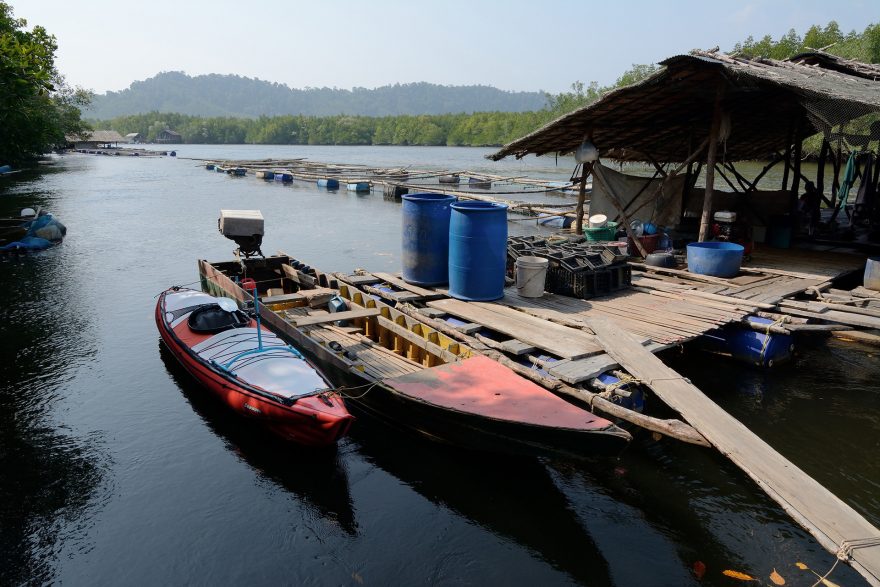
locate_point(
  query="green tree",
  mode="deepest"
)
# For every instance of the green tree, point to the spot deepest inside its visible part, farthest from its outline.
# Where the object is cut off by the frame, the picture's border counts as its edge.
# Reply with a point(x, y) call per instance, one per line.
point(37, 108)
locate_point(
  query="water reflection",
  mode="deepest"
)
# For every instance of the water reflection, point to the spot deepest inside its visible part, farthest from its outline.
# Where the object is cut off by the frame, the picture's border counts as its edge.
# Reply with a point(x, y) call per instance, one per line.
point(50, 474)
point(513, 498)
point(317, 477)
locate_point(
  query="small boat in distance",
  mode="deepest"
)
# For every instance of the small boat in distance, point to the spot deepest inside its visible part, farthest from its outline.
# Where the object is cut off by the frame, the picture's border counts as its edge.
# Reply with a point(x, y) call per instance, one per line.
point(251, 369)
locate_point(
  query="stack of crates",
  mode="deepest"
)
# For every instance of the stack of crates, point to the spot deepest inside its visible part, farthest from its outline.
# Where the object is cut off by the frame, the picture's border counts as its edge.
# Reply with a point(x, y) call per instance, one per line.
point(576, 269)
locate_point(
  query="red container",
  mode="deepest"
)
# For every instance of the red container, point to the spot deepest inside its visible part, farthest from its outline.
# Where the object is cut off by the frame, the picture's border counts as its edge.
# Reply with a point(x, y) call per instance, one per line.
point(649, 241)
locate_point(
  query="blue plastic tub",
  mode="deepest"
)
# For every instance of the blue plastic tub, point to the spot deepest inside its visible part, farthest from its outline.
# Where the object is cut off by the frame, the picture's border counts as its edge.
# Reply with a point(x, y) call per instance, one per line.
point(425, 245)
point(477, 250)
point(719, 259)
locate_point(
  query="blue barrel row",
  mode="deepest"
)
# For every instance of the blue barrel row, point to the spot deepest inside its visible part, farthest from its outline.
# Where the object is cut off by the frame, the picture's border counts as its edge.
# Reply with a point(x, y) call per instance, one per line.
point(463, 244)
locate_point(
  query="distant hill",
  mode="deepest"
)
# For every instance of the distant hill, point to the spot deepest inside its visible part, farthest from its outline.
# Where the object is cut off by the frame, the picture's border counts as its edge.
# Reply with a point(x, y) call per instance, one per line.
point(233, 95)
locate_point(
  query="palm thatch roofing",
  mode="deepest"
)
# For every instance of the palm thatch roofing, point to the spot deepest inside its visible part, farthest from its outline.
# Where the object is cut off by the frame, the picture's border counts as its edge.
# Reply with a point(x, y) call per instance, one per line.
point(767, 106)
point(97, 136)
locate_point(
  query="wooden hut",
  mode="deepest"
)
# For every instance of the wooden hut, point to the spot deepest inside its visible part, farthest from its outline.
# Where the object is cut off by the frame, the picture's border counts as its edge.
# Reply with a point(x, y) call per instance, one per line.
point(96, 139)
point(168, 136)
point(708, 110)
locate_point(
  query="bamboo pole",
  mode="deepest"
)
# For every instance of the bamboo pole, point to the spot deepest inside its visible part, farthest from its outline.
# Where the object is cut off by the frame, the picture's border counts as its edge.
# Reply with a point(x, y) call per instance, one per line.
point(706, 218)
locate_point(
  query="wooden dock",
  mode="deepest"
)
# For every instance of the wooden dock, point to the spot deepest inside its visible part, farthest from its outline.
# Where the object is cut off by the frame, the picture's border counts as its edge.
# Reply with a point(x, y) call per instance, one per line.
point(665, 308)
point(837, 526)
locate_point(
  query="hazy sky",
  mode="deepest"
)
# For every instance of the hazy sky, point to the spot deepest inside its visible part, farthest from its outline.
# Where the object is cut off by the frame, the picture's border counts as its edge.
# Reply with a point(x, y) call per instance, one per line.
point(511, 44)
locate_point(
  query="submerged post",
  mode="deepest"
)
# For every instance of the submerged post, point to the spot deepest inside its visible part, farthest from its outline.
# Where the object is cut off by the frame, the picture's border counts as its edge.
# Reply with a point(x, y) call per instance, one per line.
point(706, 218)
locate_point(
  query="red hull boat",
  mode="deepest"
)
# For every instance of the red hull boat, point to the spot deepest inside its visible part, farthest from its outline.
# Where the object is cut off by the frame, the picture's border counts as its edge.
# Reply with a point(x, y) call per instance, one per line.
point(250, 368)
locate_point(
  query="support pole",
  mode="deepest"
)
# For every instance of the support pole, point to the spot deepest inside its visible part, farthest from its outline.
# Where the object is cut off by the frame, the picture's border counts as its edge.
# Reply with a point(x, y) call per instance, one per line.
point(796, 175)
point(586, 169)
point(706, 218)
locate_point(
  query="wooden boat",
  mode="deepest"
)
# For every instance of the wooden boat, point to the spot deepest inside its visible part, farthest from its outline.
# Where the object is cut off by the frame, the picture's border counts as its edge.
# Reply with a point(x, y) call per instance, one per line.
point(479, 183)
point(248, 367)
point(409, 374)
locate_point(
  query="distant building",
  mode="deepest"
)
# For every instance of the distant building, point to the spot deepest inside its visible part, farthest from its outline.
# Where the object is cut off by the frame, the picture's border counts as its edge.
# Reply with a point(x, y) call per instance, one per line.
point(168, 136)
point(134, 137)
point(96, 139)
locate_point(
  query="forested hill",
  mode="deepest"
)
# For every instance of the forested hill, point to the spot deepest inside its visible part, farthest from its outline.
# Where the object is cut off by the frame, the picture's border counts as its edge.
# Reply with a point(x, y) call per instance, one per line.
point(236, 96)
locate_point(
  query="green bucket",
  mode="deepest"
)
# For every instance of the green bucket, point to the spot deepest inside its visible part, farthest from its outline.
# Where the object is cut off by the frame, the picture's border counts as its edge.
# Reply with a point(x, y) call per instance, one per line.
point(605, 233)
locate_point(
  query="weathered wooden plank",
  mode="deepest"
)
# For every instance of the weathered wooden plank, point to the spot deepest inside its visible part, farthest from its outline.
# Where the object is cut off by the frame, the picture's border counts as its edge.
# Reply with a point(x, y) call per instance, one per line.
point(574, 372)
point(334, 316)
point(556, 339)
point(428, 294)
point(469, 328)
point(831, 521)
point(517, 347)
point(804, 309)
point(291, 297)
point(367, 279)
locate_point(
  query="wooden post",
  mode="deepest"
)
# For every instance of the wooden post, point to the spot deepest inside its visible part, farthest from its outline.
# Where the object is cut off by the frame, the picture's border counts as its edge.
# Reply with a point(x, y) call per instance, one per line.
point(796, 175)
point(706, 218)
point(586, 168)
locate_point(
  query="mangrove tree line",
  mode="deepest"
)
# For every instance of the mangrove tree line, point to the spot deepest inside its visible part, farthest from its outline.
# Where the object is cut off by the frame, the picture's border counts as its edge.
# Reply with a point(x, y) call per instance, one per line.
point(37, 108)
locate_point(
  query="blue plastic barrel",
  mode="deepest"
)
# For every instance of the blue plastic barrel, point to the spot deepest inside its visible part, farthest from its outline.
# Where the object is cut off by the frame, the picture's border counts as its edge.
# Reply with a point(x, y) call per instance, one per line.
point(426, 238)
point(477, 250)
point(330, 184)
point(716, 258)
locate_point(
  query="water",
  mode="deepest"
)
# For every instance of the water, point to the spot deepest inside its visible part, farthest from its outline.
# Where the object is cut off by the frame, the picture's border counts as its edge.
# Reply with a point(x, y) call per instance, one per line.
point(117, 470)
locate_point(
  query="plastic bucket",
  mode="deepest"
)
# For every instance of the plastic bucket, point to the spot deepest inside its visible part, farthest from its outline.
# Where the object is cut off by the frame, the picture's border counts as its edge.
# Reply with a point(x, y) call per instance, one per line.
point(531, 274)
point(477, 250)
point(649, 243)
point(719, 259)
point(425, 245)
point(598, 221)
point(872, 273)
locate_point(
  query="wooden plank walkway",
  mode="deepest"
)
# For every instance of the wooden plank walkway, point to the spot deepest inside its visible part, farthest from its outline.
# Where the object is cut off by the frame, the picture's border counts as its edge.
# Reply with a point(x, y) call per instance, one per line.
point(836, 525)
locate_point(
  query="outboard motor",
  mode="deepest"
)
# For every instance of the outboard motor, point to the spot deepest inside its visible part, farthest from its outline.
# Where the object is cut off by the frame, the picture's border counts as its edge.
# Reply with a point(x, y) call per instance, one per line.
point(245, 227)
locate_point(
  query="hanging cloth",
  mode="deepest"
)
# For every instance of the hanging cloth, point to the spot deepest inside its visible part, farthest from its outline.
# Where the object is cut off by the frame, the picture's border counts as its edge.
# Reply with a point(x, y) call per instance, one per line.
point(849, 177)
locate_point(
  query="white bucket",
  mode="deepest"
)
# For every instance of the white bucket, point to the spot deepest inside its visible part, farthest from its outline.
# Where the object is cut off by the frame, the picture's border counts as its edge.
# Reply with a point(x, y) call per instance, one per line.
point(872, 274)
point(598, 221)
point(531, 272)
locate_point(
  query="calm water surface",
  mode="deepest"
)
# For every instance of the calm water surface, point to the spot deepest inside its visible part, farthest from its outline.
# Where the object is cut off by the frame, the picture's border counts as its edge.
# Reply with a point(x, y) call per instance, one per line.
point(116, 469)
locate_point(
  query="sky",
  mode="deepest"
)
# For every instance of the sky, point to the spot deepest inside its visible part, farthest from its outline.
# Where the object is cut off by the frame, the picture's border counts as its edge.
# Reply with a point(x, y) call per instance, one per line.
point(512, 44)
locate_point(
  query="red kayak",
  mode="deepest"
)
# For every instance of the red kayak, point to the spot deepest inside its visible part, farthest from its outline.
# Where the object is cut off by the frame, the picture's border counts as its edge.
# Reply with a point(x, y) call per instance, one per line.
point(250, 368)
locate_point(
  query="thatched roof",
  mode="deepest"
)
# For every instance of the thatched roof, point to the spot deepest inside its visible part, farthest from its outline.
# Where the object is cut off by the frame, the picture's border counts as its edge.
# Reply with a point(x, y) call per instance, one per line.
point(825, 60)
point(667, 115)
point(98, 136)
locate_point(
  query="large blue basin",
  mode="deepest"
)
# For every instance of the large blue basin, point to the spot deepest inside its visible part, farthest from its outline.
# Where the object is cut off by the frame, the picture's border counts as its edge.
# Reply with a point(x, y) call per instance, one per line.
point(718, 259)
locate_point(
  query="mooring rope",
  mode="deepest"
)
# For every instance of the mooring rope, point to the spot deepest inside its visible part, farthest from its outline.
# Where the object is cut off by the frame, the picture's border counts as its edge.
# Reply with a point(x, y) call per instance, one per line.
point(844, 554)
point(766, 343)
